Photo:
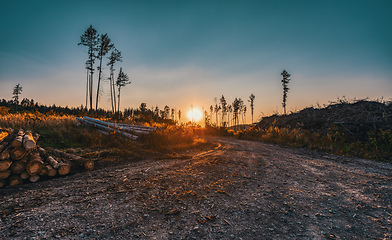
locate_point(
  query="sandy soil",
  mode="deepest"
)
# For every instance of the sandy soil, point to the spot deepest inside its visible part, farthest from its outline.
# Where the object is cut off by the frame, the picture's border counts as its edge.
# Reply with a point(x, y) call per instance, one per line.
point(240, 190)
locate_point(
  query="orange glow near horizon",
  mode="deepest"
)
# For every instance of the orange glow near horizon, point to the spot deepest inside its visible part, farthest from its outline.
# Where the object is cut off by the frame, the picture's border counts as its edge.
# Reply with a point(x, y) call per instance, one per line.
point(194, 114)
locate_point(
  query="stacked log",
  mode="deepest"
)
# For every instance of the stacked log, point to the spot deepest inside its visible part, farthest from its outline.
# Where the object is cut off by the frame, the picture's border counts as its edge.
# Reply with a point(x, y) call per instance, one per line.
point(125, 130)
point(21, 160)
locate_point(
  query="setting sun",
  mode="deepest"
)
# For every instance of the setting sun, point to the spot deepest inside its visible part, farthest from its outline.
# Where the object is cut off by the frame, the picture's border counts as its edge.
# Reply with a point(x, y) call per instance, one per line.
point(194, 114)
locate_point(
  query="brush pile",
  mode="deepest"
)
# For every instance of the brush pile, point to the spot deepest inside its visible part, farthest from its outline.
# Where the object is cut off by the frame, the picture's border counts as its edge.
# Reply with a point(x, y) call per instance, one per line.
point(21, 160)
point(354, 119)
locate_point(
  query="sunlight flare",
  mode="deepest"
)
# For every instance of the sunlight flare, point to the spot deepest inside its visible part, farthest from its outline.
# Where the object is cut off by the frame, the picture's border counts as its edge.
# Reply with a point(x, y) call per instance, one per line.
point(194, 114)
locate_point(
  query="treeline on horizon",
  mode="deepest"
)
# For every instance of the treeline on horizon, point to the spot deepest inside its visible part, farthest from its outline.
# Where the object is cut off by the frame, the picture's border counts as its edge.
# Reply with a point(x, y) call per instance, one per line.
point(141, 114)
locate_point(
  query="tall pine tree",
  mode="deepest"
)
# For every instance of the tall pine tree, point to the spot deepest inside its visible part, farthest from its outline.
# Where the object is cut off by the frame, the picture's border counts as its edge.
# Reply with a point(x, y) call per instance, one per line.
point(285, 81)
point(90, 40)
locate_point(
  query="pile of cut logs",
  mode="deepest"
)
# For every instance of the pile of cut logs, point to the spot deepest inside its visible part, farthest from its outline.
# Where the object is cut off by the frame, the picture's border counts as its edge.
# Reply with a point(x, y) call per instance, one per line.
point(22, 160)
point(125, 130)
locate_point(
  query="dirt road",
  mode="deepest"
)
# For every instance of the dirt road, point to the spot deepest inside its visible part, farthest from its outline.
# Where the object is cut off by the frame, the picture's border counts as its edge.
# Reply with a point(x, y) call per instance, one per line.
point(241, 190)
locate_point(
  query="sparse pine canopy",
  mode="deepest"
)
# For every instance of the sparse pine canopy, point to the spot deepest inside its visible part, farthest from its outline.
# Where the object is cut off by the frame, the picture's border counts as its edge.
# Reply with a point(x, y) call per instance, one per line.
point(104, 46)
point(251, 100)
point(122, 80)
point(16, 92)
point(285, 81)
point(115, 56)
point(90, 39)
point(224, 109)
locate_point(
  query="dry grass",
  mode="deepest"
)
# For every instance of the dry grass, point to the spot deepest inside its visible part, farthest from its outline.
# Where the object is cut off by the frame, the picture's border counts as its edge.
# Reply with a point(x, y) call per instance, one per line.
point(378, 145)
point(64, 132)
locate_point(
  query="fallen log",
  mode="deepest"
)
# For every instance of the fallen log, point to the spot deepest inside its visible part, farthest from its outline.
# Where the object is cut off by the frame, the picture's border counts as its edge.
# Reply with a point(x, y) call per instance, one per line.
point(82, 162)
point(28, 141)
point(5, 174)
point(17, 153)
point(5, 164)
point(14, 180)
point(59, 166)
point(34, 178)
point(51, 171)
point(108, 129)
point(34, 166)
point(133, 128)
point(18, 167)
point(24, 175)
point(18, 140)
point(4, 155)
point(44, 171)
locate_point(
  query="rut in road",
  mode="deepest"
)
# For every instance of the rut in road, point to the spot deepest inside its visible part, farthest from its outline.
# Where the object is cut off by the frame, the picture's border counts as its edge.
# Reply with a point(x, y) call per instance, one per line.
point(241, 189)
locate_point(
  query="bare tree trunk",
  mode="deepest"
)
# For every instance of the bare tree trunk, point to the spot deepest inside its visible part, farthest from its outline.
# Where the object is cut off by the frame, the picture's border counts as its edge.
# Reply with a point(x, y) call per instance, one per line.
point(87, 87)
point(91, 84)
point(99, 82)
point(118, 109)
point(114, 94)
point(111, 90)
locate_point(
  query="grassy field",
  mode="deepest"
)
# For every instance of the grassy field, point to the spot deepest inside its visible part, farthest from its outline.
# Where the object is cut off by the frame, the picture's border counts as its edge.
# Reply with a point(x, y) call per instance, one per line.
point(64, 132)
point(361, 129)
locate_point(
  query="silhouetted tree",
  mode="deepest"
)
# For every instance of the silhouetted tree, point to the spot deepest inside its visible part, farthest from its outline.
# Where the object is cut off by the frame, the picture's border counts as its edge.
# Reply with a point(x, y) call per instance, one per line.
point(217, 108)
point(16, 92)
point(236, 108)
point(122, 80)
point(240, 110)
point(173, 111)
point(104, 46)
point(285, 82)
point(224, 109)
point(156, 111)
point(244, 110)
point(166, 112)
point(115, 56)
point(251, 100)
point(211, 112)
point(179, 116)
point(90, 40)
point(229, 111)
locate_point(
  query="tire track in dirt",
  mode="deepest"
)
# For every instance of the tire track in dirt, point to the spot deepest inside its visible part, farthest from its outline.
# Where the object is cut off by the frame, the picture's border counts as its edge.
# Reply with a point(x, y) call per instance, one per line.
point(239, 190)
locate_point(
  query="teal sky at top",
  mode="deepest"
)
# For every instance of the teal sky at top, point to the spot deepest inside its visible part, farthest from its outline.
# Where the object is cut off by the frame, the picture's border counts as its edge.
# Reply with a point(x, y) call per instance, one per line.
point(310, 38)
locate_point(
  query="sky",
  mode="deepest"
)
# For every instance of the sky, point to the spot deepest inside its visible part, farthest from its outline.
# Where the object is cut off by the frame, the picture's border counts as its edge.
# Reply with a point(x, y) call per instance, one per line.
point(183, 53)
